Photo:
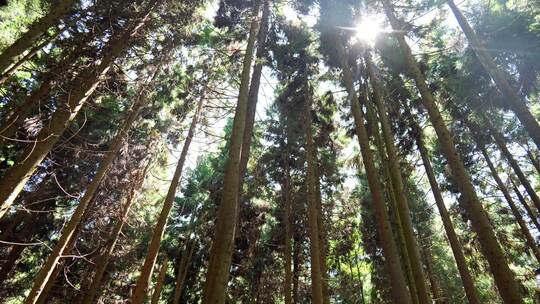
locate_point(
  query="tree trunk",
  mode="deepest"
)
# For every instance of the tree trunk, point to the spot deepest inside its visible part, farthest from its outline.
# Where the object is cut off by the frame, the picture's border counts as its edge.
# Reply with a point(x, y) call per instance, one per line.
point(86, 82)
point(504, 278)
point(433, 281)
point(516, 104)
point(183, 271)
point(400, 294)
point(36, 30)
point(103, 261)
point(534, 161)
point(394, 215)
point(287, 206)
point(217, 275)
point(296, 269)
point(141, 287)
point(5, 76)
point(71, 226)
point(397, 184)
point(455, 245)
point(532, 215)
point(322, 236)
point(14, 119)
point(501, 143)
point(160, 281)
point(315, 253)
point(529, 240)
point(10, 261)
point(253, 94)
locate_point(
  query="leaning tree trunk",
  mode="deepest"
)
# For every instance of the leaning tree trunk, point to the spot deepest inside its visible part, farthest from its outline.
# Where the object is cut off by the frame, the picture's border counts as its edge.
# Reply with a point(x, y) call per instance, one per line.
point(140, 291)
point(14, 119)
point(400, 294)
point(83, 86)
point(314, 243)
point(397, 184)
point(501, 143)
point(534, 160)
point(103, 259)
point(160, 282)
point(217, 275)
point(532, 215)
point(455, 245)
point(36, 30)
point(183, 269)
point(5, 76)
point(516, 104)
point(504, 278)
point(529, 240)
point(71, 226)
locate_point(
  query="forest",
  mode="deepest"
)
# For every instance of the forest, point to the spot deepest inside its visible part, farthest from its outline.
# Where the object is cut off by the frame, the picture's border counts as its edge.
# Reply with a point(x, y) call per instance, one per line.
point(270, 151)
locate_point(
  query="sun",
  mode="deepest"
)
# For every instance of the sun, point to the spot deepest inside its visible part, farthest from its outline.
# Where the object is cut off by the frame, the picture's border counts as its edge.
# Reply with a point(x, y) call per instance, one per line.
point(369, 28)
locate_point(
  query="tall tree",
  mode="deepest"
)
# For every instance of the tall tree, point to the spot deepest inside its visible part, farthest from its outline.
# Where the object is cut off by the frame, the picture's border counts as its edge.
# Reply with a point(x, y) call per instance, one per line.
point(223, 241)
point(501, 80)
point(506, 282)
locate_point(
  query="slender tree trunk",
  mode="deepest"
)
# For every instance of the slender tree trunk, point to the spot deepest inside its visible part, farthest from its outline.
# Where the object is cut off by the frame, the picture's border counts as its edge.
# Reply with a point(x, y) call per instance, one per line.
point(217, 275)
point(394, 215)
point(501, 143)
point(529, 240)
point(103, 260)
point(160, 281)
point(141, 287)
point(14, 119)
point(296, 269)
point(315, 253)
point(253, 94)
point(455, 245)
point(397, 184)
point(534, 161)
point(36, 30)
point(499, 77)
point(400, 294)
point(71, 226)
point(83, 86)
point(532, 215)
point(10, 261)
point(322, 236)
point(287, 204)
point(183, 270)
point(504, 278)
point(433, 281)
point(5, 76)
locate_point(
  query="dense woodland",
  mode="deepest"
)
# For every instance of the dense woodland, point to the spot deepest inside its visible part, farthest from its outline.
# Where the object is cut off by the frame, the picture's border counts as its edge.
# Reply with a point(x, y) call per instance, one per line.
point(270, 151)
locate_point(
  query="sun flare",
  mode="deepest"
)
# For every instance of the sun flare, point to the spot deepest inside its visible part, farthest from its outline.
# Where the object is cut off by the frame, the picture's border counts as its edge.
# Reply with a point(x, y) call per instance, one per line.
point(369, 28)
